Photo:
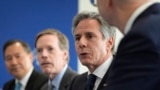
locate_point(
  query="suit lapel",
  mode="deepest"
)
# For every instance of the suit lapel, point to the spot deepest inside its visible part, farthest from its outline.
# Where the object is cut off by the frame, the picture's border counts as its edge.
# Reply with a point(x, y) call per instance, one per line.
point(30, 82)
point(82, 81)
point(11, 85)
point(46, 86)
point(104, 82)
point(64, 83)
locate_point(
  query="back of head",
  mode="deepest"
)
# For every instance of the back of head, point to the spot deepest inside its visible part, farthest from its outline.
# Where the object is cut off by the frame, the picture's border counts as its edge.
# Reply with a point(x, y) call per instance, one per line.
point(129, 2)
point(118, 12)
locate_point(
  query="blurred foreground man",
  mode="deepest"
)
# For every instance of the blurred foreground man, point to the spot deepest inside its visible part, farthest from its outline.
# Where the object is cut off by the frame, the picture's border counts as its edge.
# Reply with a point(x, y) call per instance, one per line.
point(137, 62)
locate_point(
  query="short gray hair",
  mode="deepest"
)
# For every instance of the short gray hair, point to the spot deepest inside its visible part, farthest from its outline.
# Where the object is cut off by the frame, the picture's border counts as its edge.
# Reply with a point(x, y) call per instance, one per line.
point(105, 29)
point(62, 38)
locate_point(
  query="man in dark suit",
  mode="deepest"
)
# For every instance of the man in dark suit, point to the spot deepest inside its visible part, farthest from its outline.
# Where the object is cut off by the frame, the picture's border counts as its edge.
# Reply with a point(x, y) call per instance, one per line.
point(18, 60)
point(136, 65)
point(53, 54)
point(94, 41)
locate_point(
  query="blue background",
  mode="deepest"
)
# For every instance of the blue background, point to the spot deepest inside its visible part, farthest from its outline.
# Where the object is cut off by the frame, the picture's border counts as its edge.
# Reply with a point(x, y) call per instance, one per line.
point(24, 19)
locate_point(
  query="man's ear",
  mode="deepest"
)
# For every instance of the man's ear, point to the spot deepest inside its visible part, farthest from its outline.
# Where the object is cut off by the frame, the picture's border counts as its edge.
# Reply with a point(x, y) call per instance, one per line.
point(109, 3)
point(65, 54)
point(110, 43)
point(31, 56)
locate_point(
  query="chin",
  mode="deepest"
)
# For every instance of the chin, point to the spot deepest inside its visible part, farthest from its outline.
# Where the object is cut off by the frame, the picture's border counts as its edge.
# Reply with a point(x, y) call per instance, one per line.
point(18, 76)
point(84, 63)
point(47, 71)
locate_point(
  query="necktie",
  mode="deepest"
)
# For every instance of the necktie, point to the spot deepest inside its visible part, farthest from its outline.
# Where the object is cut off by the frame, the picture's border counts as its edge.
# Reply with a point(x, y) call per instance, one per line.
point(18, 86)
point(90, 82)
point(51, 86)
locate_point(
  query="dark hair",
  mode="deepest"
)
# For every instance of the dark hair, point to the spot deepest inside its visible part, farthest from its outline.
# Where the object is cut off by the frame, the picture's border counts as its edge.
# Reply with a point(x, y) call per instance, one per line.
point(14, 41)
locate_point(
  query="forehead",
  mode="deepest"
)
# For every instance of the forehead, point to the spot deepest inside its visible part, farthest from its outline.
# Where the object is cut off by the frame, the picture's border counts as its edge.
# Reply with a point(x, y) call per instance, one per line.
point(87, 25)
point(47, 39)
point(14, 48)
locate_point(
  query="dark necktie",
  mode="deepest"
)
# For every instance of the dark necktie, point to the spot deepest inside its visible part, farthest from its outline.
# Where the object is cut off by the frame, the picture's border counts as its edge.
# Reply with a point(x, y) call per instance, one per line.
point(90, 82)
point(53, 87)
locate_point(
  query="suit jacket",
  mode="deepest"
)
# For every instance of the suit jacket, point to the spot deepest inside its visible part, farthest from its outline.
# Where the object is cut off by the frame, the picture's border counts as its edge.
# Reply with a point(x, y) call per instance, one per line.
point(136, 65)
point(66, 80)
point(80, 82)
point(35, 82)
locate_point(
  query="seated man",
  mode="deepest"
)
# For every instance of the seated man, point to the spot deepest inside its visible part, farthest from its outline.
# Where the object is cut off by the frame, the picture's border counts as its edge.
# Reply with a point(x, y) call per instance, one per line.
point(18, 60)
point(94, 41)
point(53, 54)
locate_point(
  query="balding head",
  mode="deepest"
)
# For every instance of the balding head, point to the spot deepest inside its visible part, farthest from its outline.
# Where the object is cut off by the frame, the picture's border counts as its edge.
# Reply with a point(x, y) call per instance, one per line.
point(117, 12)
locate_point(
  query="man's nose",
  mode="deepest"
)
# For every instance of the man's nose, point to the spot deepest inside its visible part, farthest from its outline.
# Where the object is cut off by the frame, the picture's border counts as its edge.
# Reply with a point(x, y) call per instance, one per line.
point(82, 42)
point(14, 61)
point(44, 54)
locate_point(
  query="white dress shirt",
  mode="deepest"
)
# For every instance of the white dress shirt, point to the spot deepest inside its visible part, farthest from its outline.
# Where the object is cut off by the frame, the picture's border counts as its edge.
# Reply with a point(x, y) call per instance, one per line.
point(24, 80)
point(101, 71)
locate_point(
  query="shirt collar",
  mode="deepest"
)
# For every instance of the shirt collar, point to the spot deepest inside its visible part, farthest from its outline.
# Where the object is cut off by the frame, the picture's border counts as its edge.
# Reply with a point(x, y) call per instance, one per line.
point(57, 80)
point(136, 13)
point(25, 79)
point(103, 68)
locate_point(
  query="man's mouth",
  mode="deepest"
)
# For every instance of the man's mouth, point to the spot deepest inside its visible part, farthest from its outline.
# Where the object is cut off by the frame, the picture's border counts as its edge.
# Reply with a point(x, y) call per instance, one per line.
point(45, 63)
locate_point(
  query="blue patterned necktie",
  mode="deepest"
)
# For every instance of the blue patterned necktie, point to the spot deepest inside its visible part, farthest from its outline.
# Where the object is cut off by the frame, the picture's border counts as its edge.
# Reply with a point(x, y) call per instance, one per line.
point(18, 86)
point(90, 82)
